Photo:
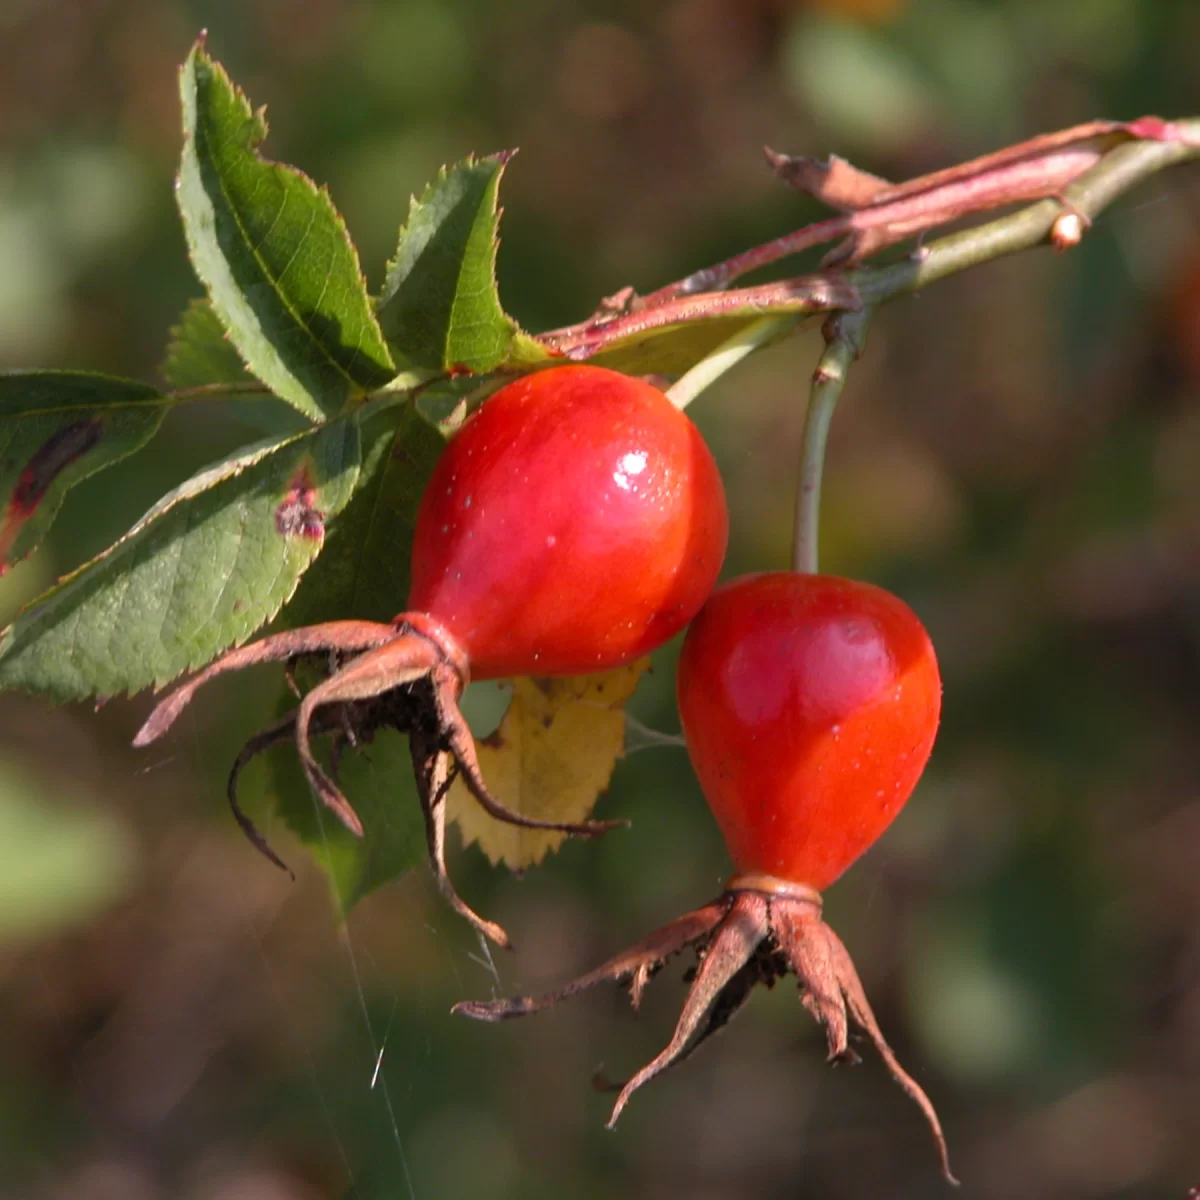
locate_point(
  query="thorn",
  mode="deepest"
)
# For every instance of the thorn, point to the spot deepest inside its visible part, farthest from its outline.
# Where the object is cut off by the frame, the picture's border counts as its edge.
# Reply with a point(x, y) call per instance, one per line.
point(1066, 232)
point(1068, 229)
point(602, 1083)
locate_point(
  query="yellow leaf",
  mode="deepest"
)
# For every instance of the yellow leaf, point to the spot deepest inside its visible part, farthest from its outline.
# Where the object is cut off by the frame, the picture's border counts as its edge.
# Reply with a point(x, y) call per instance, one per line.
point(550, 758)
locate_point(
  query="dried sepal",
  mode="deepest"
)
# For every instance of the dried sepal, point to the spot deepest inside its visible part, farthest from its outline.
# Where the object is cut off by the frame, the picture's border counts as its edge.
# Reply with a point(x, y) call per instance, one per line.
point(634, 966)
point(864, 1017)
point(434, 770)
point(749, 935)
point(406, 675)
point(733, 944)
point(801, 935)
point(342, 637)
point(263, 740)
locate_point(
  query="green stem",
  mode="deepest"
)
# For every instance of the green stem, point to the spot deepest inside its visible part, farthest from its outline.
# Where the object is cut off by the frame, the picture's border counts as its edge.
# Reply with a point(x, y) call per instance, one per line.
point(726, 356)
point(845, 337)
point(1119, 170)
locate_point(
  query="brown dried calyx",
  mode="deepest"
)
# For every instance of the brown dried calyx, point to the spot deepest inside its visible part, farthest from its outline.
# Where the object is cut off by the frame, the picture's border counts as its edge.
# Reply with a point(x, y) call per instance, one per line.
point(407, 675)
point(758, 931)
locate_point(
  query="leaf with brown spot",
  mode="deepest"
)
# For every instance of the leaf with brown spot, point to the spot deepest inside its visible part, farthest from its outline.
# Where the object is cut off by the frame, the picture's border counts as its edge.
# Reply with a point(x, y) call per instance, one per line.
point(551, 757)
point(364, 569)
point(205, 568)
point(56, 429)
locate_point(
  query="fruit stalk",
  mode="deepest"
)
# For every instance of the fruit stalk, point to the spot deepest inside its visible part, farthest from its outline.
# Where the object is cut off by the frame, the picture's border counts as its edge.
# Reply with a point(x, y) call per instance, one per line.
point(727, 355)
point(845, 339)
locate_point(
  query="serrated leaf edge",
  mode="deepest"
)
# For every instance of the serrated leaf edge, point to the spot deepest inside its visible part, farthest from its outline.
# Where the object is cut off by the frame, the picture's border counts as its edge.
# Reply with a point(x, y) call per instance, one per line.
point(303, 399)
point(176, 333)
point(529, 351)
point(153, 395)
point(204, 479)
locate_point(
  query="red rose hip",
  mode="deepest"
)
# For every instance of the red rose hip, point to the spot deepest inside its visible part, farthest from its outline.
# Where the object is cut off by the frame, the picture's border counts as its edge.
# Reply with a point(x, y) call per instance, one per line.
point(575, 522)
point(809, 709)
point(809, 705)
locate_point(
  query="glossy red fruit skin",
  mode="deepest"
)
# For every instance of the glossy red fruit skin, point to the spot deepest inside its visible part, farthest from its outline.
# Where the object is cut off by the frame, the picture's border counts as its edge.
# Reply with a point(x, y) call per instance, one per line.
point(809, 706)
point(575, 522)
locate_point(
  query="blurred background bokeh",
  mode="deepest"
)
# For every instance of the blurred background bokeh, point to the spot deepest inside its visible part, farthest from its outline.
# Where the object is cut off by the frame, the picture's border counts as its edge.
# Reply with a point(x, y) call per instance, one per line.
point(1018, 455)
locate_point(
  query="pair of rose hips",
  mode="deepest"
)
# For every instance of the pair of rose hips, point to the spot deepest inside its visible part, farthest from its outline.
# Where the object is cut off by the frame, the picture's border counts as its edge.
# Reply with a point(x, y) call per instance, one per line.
point(575, 522)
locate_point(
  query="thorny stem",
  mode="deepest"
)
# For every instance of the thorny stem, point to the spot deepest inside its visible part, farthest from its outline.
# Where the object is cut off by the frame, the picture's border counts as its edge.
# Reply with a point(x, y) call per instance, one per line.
point(806, 294)
point(845, 337)
point(1119, 170)
point(726, 356)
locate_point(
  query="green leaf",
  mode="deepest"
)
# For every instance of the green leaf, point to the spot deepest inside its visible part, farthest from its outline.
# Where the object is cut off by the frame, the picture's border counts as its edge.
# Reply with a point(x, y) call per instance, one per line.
point(378, 780)
point(440, 309)
point(274, 254)
point(200, 354)
point(364, 570)
point(211, 563)
point(56, 429)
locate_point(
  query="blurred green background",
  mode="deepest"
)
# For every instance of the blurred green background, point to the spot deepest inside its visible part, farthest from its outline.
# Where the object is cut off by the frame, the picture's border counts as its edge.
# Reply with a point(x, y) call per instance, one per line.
point(1018, 455)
